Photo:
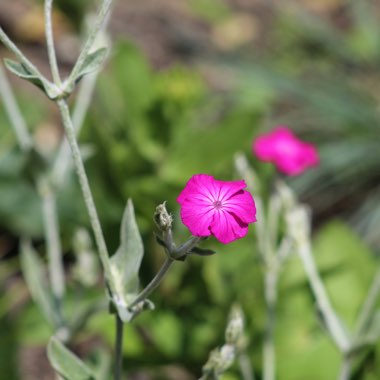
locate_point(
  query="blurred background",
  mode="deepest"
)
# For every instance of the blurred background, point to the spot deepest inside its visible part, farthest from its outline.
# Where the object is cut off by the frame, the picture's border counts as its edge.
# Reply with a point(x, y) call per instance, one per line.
point(187, 84)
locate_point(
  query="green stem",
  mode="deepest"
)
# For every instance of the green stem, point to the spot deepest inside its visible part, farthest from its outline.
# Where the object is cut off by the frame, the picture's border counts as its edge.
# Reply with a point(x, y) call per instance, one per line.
point(85, 187)
point(103, 11)
point(346, 368)
point(14, 114)
point(245, 367)
point(54, 249)
point(50, 43)
point(82, 103)
point(269, 354)
point(260, 226)
point(119, 347)
point(154, 283)
point(368, 306)
point(63, 158)
point(333, 325)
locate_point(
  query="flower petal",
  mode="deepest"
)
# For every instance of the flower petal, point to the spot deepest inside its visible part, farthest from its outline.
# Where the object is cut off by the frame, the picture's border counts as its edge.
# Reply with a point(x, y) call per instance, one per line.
point(291, 155)
point(197, 217)
point(266, 146)
point(228, 189)
point(199, 186)
point(242, 205)
point(227, 228)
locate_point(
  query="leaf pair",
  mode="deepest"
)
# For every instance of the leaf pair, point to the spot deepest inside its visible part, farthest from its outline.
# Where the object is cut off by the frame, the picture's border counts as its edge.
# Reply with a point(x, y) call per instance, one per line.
point(91, 63)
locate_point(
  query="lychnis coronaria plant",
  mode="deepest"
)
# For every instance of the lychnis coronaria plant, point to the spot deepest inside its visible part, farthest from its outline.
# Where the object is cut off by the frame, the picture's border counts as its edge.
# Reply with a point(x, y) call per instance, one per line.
point(219, 208)
point(289, 154)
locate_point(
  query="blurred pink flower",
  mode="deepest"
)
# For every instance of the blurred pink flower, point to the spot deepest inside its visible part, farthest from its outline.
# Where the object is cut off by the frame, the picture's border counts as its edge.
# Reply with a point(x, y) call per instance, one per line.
point(219, 208)
point(290, 155)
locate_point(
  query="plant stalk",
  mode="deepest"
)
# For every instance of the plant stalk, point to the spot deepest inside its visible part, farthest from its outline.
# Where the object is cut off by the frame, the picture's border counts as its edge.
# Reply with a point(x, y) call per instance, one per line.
point(50, 43)
point(245, 367)
point(119, 347)
point(153, 284)
point(84, 184)
point(346, 368)
point(54, 249)
point(333, 325)
point(63, 158)
point(368, 306)
point(100, 18)
point(269, 354)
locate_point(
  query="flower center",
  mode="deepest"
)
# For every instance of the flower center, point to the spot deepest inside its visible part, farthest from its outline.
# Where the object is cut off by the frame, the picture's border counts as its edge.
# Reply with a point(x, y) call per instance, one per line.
point(218, 205)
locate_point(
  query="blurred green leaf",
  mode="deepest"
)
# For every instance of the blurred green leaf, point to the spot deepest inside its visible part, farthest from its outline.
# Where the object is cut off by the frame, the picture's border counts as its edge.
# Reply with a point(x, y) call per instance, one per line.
point(102, 366)
point(125, 264)
point(344, 262)
point(167, 332)
point(298, 335)
point(33, 271)
point(68, 365)
point(210, 10)
point(347, 267)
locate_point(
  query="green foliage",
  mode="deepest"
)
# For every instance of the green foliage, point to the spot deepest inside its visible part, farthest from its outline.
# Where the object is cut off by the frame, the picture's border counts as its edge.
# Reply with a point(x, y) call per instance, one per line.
point(344, 262)
point(151, 130)
point(91, 63)
point(210, 10)
point(33, 271)
point(125, 264)
point(34, 77)
point(67, 365)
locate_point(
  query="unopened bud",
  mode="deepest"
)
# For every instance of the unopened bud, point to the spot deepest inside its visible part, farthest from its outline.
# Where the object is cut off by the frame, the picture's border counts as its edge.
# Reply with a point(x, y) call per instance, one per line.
point(162, 218)
point(235, 327)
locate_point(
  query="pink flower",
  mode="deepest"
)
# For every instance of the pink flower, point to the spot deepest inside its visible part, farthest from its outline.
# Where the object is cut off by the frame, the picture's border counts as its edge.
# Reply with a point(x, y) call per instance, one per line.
point(219, 208)
point(290, 155)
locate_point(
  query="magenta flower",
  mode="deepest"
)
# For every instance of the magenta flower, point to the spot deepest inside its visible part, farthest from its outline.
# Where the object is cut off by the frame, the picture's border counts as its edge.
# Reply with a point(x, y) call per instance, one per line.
point(219, 208)
point(290, 155)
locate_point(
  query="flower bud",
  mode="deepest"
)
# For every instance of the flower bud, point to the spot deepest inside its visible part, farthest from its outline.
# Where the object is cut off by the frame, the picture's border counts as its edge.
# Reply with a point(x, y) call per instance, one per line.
point(234, 330)
point(162, 218)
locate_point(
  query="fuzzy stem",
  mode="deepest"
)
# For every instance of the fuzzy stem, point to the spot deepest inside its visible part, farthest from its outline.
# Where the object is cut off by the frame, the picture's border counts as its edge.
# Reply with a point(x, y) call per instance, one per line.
point(85, 187)
point(54, 249)
point(333, 325)
point(50, 43)
point(63, 158)
point(119, 347)
point(14, 114)
point(245, 367)
point(153, 284)
point(100, 18)
point(346, 368)
point(368, 306)
point(269, 353)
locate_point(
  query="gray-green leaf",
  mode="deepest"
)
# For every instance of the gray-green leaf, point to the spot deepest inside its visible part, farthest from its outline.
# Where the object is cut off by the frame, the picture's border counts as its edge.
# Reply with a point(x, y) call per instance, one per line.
point(32, 269)
point(34, 77)
point(125, 264)
point(68, 365)
point(92, 62)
